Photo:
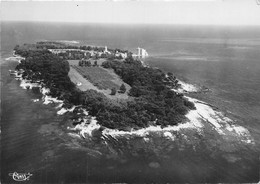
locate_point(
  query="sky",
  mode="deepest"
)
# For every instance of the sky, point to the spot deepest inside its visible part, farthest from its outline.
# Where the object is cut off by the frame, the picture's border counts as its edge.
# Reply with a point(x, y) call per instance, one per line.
point(201, 12)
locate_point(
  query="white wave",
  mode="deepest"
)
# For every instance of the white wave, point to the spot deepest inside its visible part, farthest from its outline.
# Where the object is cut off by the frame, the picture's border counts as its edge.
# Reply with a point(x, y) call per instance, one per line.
point(74, 135)
point(15, 58)
point(169, 135)
point(64, 110)
point(59, 106)
point(26, 84)
point(146, 139)
point(48, 99)
point(44, 90)
point(206, 113)
point(90, 123)
point(242, 132)
point(35, 100)
point(18, 76)
point(185, 87)
point(203, 114)
point(85, 112)
point(223, 125)
point(87, 127)
point(11, 58)
point(194, 117)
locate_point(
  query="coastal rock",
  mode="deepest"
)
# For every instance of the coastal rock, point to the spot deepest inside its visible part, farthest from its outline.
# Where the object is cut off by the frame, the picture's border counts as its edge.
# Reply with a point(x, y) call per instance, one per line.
point(231, 158)
point(154, 165)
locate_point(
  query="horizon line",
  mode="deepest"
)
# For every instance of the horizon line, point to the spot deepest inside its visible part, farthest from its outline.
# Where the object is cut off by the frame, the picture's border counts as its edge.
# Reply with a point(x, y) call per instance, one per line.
point(133, 23)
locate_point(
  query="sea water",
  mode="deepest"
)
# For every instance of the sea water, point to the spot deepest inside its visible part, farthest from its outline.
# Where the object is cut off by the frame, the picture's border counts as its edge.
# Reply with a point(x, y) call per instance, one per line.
point(35, 139)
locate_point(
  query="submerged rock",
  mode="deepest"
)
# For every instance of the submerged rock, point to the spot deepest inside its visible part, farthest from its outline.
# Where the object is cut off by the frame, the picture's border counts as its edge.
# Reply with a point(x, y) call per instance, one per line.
point(232, 158)
point(154, 165)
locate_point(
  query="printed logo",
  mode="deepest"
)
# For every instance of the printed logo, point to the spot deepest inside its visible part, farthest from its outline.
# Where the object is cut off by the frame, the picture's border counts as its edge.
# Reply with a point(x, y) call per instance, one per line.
point(20, 176)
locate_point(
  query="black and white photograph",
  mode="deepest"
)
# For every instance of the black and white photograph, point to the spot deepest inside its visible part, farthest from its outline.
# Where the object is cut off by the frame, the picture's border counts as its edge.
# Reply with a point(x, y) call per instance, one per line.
point(130, 91)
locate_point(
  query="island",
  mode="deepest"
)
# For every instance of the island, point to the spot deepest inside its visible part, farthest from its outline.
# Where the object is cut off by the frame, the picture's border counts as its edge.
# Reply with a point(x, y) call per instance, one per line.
point(112, 85)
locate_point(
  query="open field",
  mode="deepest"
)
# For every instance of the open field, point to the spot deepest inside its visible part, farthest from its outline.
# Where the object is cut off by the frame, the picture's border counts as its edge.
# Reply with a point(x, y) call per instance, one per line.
point(98, 76)
point(75, 77)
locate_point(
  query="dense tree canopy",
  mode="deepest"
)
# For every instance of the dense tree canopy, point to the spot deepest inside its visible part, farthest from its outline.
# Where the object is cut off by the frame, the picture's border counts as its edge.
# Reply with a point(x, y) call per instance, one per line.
point(152, 95)
point(41, 65)
point(153, 100)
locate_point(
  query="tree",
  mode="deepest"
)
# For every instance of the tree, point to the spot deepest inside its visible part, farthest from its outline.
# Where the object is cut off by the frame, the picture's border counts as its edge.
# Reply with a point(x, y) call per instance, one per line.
point(120, 56)
point(113, 91)
point(122, 88)
point(83, 62)
point(154, 100)
point(88, 63)
point(80, 63)
point(95, 63)
point(96, 56)
point(111, 57)
point(170, 74)
point(106, 64)
point(103, 55)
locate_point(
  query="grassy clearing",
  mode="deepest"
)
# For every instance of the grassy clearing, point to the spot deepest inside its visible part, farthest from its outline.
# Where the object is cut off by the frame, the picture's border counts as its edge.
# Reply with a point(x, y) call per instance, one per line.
point(76, 77)
point(98, 76)
point(99, 79)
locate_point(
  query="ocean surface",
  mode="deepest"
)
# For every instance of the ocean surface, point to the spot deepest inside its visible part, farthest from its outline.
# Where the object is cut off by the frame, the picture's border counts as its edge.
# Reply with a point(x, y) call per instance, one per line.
point(226, 60)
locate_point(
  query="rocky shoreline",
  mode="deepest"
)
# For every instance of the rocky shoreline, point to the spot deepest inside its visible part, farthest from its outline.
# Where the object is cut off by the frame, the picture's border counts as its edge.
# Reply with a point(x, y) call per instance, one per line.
point(86, 125)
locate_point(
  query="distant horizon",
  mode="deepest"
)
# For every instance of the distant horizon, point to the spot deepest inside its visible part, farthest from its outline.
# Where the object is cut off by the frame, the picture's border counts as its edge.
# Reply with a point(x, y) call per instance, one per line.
point(126, 24)
point(214, 12)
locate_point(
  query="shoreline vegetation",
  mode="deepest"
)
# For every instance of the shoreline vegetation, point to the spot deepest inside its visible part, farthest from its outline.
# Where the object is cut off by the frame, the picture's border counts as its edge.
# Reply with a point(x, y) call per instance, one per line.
point(156, 100)
point(153, 102)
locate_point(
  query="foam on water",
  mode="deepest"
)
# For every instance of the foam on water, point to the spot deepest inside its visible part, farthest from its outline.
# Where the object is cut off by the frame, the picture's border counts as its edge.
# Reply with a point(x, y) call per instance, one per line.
point(15, 58)
point(90, 123)
point(59, 106)
point(48, 99)
point(45, 91)
point(64, 110)
point(196, 118)
point(87, 127)
point(26, 84)
point(74, 135)
point(185, 87)
point(205, 113)
point(223, 125)
point(169, 135)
